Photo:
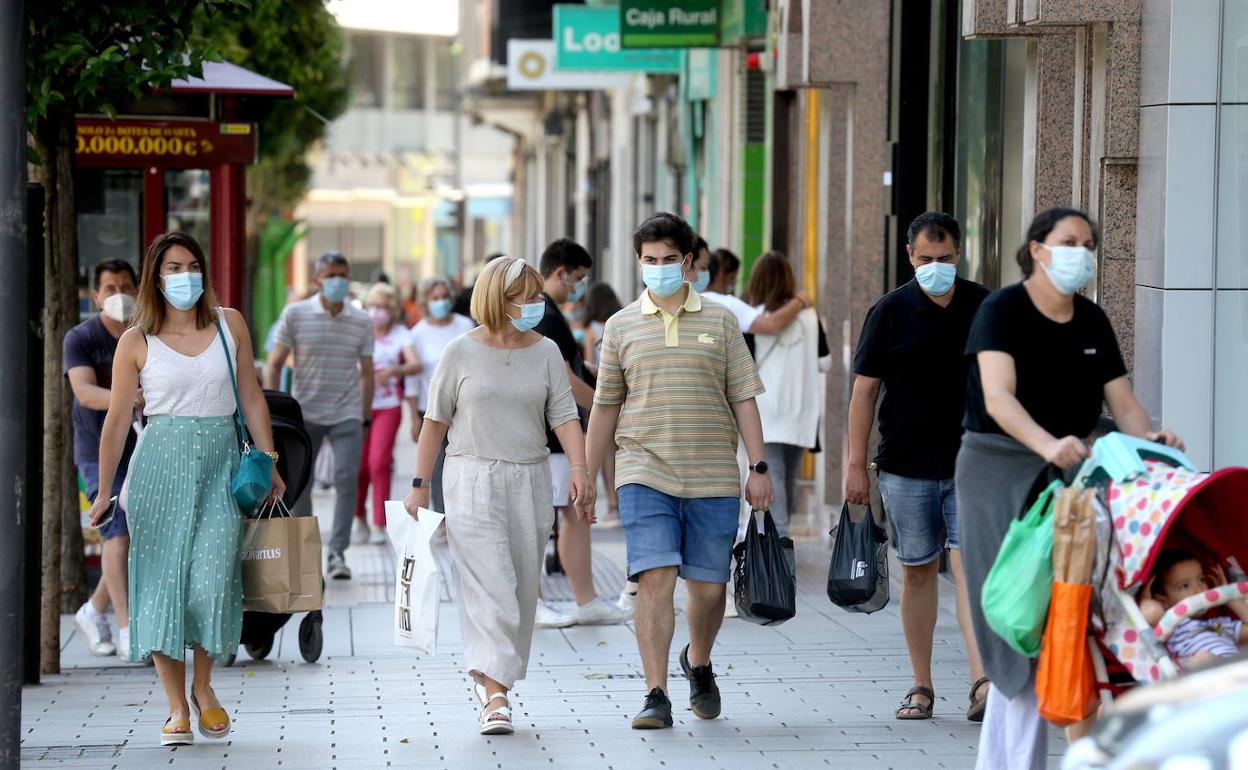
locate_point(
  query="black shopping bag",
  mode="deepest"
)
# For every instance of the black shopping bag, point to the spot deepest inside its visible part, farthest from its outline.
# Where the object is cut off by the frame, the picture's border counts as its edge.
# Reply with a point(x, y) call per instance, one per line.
point(858, 575)
point(766, 583)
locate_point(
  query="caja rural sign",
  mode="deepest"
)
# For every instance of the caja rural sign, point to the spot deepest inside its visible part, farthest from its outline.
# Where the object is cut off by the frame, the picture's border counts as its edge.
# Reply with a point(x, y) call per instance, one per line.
point(669, 23)
point(125, 143)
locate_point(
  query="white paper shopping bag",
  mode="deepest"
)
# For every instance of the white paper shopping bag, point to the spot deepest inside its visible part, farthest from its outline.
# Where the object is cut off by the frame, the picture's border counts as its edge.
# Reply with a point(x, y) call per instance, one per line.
point(417, 580)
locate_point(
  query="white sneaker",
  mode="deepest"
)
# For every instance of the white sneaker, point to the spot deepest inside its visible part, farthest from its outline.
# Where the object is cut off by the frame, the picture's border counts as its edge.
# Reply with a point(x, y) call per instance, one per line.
point(95, 631)
point(549, 617)
point(627, 601)
point(359, 532)
point(337, 568)
point(600, 613)
point(378, 536)
point(123, 643)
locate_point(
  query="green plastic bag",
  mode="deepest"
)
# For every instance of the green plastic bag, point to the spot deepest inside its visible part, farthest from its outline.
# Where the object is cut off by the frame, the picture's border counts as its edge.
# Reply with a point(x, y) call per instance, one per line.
point(1016, 592)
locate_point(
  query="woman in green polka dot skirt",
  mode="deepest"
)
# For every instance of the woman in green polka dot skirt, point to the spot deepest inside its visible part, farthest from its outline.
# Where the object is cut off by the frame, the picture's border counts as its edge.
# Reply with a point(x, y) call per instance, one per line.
point(186, 530)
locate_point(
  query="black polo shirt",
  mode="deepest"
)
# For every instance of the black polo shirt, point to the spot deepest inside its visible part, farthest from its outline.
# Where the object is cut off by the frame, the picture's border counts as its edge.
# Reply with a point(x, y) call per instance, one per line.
point(916, 348)
point(555, 327)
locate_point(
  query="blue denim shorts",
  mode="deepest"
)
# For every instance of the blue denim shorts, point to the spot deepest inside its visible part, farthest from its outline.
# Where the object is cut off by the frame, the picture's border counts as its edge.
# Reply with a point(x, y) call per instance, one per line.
point(917, 510)
point(91, 477)
point(694, 534)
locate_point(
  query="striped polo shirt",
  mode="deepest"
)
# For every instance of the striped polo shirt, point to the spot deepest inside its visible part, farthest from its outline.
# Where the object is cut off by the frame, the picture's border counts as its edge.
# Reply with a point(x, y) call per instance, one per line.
point(676, 377)
point(327, 350)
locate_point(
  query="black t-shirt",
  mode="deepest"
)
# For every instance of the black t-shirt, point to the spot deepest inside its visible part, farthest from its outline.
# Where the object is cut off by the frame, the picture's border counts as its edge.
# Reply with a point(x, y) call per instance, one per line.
point(555, 327)
point(916, 348)
point(1060, 368)
point(90, 344)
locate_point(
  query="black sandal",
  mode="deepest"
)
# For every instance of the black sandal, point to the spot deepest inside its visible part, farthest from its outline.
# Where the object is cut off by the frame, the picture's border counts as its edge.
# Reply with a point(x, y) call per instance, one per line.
point(975, 711)
point(917, 710)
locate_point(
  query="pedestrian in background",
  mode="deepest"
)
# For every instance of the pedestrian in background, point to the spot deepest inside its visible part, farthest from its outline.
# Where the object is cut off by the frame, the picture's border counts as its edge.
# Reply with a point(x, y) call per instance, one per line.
point(1045, 362)
point(333, 342)
point(394, 358)
point(88, 356)
point(912, 346)
point(601, 303)
point(676, 390)
point(186, 528)
point(727, 268)
point(701, 273)
point(430, 337)
point(498, 485)
point(789, 365)
point(565, 267)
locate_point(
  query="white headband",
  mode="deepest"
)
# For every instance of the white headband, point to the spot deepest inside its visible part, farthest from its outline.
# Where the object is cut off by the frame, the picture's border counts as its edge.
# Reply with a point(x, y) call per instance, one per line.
point(513, 272)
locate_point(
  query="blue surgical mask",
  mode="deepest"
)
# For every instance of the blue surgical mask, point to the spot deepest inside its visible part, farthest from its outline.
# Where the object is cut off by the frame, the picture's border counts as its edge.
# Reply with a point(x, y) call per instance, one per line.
point(936, 278)
point(1073, 266)
point(663, 280)
point(702, 281)
point(183, 290)
point(530, 315)
point(577, 291)
point(578, 335)
point(335, 288)
point(440, 308)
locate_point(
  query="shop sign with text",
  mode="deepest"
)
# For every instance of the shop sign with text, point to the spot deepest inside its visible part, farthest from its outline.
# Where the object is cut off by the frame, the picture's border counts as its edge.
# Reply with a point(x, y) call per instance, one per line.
point(588, 38)
point(669, 23)
point(124, 143)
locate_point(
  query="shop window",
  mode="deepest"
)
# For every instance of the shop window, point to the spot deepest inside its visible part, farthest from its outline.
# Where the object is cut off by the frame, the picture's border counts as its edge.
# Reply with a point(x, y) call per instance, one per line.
point(445, 79)
point(410, 71)
point(367, 56)
point(188, 205)
point(110, 216)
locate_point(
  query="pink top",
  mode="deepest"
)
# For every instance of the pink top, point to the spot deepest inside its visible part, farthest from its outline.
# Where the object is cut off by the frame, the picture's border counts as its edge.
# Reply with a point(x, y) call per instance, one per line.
point(387, 354)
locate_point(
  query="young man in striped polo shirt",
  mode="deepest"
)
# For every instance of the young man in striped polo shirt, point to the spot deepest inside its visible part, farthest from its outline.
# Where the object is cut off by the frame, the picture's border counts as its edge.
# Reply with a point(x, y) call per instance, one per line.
point(675, 386)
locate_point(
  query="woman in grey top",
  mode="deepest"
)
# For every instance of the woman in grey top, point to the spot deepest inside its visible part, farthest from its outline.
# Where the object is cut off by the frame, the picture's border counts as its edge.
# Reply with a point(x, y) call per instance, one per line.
point(495, 389)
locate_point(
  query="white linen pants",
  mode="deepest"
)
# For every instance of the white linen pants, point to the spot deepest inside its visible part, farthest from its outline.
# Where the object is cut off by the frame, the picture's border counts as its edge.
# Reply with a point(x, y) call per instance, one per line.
point(1014, 736)
point(498, 519)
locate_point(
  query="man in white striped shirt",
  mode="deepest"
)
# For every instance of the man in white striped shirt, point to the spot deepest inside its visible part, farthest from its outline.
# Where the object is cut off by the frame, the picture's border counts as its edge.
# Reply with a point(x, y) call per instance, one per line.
point(332, 341)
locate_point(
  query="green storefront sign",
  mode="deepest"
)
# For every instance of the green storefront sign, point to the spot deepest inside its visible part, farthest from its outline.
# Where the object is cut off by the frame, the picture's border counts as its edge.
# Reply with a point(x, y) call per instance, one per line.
point(669, 23)
point(588, 38)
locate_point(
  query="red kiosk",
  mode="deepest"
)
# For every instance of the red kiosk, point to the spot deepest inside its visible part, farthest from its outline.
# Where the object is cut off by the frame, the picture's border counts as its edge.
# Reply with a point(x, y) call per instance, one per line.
point(191, 145)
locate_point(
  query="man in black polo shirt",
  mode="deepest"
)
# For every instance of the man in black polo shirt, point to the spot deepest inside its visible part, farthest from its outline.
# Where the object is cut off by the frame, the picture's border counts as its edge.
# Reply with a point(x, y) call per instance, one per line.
point(565, 269)
point(912, 343)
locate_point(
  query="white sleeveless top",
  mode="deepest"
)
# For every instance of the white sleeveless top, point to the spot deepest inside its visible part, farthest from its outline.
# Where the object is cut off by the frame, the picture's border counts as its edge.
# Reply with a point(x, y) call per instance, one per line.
point(189, 386)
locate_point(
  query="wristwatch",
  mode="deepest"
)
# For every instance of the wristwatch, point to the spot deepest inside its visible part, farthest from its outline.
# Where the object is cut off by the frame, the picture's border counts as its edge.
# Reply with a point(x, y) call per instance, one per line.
point(417, 482)
point(759, 467)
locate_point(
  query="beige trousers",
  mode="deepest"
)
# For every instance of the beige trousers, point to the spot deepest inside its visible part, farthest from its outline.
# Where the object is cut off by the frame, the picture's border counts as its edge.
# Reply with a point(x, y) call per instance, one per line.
point(498, 519)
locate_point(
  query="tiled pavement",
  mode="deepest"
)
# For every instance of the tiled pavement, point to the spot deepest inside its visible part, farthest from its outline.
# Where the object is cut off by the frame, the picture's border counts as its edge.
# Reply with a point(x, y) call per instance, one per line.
point(817, 691)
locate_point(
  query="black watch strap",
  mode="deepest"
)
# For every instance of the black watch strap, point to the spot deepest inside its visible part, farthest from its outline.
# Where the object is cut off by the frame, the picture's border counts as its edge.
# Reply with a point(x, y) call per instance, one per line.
point(417, 482)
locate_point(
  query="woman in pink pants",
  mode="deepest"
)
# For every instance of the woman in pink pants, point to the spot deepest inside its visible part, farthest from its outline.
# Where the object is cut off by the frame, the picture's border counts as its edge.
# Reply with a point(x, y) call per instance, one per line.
point(394, 357)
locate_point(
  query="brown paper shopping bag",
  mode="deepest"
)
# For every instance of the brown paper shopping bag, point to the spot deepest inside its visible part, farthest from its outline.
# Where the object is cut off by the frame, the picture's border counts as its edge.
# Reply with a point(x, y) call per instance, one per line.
point(281, 563)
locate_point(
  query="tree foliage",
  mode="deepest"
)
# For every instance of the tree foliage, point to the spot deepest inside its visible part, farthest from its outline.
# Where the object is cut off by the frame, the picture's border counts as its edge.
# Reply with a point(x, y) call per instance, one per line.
point(297, 42)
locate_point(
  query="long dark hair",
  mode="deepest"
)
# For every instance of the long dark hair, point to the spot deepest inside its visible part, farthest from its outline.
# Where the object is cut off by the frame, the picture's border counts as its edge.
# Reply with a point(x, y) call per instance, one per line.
point(1040, 228)
point(150, 315)
point(771, 282)
point(601, 303)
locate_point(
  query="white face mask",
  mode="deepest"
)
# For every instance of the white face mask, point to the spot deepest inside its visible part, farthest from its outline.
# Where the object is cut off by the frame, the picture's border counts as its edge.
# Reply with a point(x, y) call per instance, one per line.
point(120, 307)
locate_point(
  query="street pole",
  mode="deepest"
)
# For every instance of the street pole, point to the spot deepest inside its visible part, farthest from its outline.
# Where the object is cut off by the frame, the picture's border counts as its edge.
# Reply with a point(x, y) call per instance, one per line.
point(14, 512)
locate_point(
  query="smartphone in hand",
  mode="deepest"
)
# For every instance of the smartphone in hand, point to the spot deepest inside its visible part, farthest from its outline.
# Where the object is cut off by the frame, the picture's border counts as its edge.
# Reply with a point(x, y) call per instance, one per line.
point(108, 515)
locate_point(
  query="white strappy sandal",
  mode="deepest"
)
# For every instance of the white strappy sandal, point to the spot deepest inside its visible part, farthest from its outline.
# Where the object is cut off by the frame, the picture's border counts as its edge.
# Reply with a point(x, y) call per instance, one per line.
point(497, 720)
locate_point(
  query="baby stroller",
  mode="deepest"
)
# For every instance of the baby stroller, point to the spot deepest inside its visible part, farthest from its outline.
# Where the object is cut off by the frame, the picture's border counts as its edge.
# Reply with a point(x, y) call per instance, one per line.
point(1151, 498)
point(294, 463)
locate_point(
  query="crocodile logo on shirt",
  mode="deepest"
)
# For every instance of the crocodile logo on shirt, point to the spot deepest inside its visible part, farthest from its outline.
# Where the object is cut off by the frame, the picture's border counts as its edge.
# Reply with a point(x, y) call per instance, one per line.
point(706, 339)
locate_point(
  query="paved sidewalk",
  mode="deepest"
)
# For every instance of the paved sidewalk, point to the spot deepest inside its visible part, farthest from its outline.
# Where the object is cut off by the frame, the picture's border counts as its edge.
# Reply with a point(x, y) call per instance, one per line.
point(818, 690)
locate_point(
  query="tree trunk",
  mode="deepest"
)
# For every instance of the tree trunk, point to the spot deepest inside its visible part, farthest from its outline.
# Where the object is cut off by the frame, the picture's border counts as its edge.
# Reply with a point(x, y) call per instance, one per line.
point(54, 141)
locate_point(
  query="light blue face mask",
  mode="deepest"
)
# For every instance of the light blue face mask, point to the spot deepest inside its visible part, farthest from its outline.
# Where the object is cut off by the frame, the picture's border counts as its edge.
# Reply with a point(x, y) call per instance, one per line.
point(440, 308)
point(663, 280)
point(702, 281)
point(183, 290)
point(335, 288)
point(530, 315)
point(577, 291)
point(936, 278)
point(1073, 266)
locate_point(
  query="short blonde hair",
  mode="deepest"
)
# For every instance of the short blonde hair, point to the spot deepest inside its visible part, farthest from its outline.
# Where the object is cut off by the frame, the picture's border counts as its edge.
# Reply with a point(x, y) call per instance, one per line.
point(504, 280)
point(382, 294)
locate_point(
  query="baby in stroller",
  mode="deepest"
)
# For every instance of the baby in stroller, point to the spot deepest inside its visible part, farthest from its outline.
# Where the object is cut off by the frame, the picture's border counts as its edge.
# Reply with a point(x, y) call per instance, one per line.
point(1198, 641)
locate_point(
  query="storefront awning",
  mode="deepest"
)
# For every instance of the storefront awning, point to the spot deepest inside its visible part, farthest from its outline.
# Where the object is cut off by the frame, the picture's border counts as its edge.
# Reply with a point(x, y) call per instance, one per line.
point(231, 79)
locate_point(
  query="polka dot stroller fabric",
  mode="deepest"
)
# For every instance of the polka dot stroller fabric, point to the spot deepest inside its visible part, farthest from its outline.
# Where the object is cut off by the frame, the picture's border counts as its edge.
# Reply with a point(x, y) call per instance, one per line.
point(1167, 506)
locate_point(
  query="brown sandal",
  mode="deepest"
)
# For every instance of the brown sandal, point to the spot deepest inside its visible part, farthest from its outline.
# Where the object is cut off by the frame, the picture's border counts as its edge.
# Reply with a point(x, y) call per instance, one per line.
point(975, 711)
point(917, 710)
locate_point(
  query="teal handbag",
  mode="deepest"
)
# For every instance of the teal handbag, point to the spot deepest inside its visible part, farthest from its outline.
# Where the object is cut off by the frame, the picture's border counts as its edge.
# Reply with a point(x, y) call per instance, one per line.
point(1016, 593)
point(251, 482)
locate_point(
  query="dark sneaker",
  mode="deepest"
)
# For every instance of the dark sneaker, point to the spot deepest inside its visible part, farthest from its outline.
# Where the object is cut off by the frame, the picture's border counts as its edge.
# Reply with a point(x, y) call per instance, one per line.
point(337, 568)
point(656, 714)
point(703, 692)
